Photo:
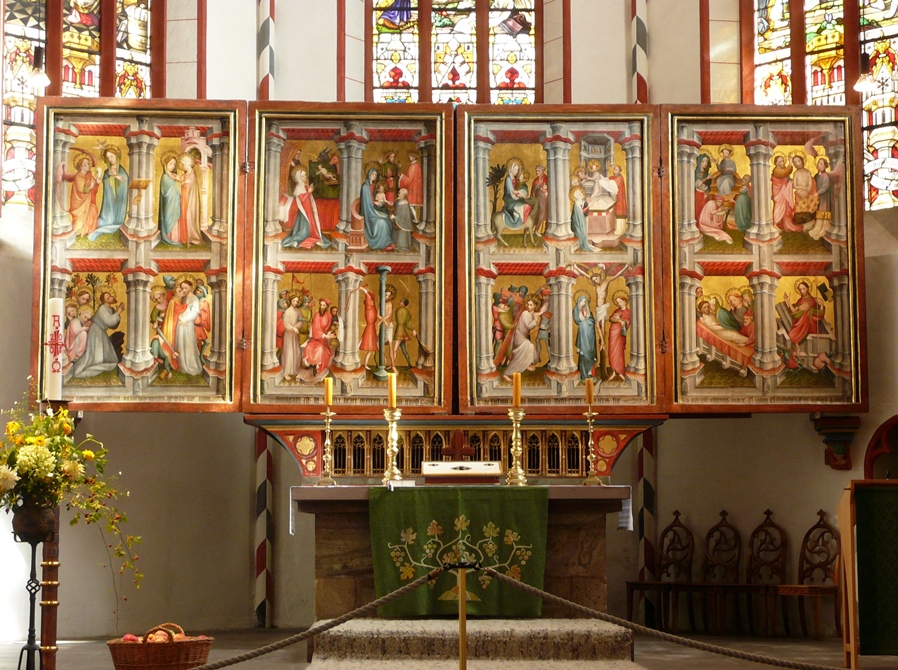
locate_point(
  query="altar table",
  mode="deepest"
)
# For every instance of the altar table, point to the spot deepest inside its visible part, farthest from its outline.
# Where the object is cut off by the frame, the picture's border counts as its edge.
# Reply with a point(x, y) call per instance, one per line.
point(575, 545)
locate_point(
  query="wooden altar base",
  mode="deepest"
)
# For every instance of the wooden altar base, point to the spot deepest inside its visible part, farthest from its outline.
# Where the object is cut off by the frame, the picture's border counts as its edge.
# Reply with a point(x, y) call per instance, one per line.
point(531, 644)
point(575, 546)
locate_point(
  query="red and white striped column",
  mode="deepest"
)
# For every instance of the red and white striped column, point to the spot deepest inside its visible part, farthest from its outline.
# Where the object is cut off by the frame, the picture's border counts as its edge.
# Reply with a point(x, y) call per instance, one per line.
point(263, 531)
point(639, 60)
point(646, 525)
point(265, 48)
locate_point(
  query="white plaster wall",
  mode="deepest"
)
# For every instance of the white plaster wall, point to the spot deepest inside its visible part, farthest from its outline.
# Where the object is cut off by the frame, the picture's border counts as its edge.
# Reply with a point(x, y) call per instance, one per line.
point(600, 38)
point(180, 50)
point(306, 62)
point(231, 50)
point(553, 52)
point(674, 74)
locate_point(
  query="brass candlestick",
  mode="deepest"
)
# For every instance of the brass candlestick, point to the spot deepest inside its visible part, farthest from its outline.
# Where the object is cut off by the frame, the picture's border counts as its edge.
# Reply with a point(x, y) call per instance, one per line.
point(327, 460)
point(516, 475)
point(592, 457)
point(391, 472)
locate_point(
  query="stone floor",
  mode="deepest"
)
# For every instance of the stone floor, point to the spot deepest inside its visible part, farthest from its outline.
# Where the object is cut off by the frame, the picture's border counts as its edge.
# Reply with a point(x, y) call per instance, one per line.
point(650, 653)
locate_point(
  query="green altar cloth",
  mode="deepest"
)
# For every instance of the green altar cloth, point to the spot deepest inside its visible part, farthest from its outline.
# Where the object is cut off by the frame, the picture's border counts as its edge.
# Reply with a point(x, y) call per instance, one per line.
point(416, 529)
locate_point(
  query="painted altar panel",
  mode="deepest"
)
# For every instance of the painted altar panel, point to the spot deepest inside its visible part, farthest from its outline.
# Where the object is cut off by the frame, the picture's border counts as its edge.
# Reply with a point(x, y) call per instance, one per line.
point(138, 252)
point(350, 257)
point(767, 250)
point(555, 227)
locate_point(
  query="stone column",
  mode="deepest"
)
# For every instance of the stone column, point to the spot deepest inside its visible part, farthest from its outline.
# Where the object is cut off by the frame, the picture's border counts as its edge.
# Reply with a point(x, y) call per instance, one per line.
point(220, 143)
point(351, 142)
point(427, 149)
point(633, 151)
point(64, 137)
point(481, 209)
point(269, 306)
point(841, 285)
point(557, 144)
point(219, 341)
point(137, 358)
point(274, 146)
point(561, 326)
point(687, 153)
point(839, 232)
point(427, 312)
point(141, 153)
point(348, 280)
point(484, 280)
point(759, 149)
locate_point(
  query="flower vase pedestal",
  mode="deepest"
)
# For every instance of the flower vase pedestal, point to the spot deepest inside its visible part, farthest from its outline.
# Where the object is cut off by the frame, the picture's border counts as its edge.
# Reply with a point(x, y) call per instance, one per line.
point(36, 524)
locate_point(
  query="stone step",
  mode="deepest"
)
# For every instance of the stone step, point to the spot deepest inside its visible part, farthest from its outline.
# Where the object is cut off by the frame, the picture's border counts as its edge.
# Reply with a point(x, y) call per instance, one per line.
point(472, 664)
point(493, 639)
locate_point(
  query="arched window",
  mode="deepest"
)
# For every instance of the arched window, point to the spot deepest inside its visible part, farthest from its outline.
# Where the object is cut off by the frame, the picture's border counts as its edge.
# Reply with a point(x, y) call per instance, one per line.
point(814, 52)
point(434, 51)
point(90, 48)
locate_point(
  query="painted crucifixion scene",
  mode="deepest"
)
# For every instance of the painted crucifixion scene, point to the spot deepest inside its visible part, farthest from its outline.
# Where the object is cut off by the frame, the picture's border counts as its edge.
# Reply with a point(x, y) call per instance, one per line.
point(765, 239)
point(556, 232)
point(350, 246)
point(140, 216)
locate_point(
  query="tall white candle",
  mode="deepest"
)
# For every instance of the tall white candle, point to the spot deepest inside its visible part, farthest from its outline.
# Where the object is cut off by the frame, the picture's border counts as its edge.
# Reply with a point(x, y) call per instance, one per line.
point(54, 349)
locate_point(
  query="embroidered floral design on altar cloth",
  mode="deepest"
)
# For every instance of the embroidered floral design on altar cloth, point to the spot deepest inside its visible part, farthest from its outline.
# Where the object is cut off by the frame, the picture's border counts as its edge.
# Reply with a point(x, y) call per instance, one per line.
point(502, 551)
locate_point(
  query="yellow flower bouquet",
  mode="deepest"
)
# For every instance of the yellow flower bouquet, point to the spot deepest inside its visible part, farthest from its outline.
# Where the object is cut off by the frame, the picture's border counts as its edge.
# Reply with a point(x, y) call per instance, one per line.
point(41, 465)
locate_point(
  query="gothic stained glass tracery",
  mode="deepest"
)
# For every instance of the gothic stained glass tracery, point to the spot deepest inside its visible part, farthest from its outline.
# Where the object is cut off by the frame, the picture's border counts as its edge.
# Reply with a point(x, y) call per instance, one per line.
point(81, 48)
point(773, 69)
point(452, 48)
point(824, 45)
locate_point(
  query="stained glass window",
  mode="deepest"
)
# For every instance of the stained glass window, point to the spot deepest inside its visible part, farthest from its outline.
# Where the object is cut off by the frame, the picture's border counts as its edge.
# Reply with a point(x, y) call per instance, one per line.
point(82, 31)
point(24, 29)
point(512, 53)
point(429, 50)
point(824, 46)
point(773, 69)
point(132, 38)
point(396, 51)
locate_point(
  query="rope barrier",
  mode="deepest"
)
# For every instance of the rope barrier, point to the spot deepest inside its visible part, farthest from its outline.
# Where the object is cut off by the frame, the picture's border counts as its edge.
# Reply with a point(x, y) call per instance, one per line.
point(371, 607)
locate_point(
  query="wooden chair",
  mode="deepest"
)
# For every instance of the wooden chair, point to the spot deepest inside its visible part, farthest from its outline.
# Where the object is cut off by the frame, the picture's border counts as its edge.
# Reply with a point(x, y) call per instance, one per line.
point(765, 570)
point(720, 567)
point(674, 565)
point(819, 575)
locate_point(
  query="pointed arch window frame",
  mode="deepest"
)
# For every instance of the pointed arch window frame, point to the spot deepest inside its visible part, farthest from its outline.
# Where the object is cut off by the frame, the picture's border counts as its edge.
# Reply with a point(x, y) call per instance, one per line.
point(425, 85)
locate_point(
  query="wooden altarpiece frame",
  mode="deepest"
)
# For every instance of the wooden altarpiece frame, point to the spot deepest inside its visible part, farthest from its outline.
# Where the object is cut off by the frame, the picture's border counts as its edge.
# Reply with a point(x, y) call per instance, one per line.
point(351, 231)
point(765, 233)
point(135, 231)
point(556, 215)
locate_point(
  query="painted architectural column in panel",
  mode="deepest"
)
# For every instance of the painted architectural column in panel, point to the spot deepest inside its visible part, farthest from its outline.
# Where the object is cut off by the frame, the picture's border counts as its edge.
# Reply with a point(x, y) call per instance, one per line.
point(138, 360)
point(348, 280)
point(759, 149)
point(64, 137)
point(271, 277)
point(690, 281)
point(841, 357)
point(220, 143)
point(839, 231)
point(218, 355)
point(766, 357)
point(637, 336)
point(427, 326)
point(561, 326)
point(427, 147)
point(633, 150)
point(351, 144)
point(688, 145)
point(141, 154)
point(484, 280)
point(481, 210)
point(557, 144)
point(274, 146)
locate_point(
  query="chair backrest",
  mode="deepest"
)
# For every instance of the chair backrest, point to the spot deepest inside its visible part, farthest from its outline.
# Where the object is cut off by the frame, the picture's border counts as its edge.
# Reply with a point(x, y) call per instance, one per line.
point(818, 558)
point(767, 556)
point(723, 548)
point(677, 546)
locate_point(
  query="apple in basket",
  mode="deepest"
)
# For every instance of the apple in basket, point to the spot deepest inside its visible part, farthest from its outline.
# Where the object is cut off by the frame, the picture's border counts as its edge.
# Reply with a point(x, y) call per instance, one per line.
point(130, 637)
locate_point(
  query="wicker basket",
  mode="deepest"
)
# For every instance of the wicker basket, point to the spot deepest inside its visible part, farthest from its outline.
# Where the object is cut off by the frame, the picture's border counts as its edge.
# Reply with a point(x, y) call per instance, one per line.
point(173, 654)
